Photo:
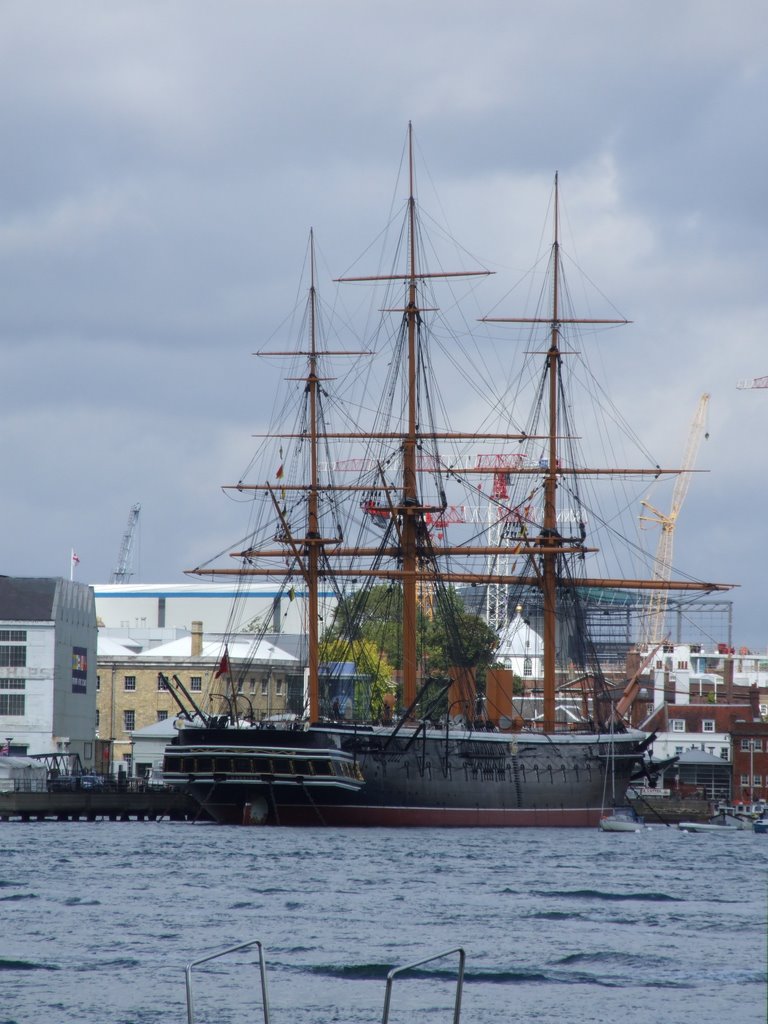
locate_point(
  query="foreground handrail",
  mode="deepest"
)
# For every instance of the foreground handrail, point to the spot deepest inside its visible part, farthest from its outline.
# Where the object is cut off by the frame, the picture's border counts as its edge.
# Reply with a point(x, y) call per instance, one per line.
point(224, 952)
point(419, 963)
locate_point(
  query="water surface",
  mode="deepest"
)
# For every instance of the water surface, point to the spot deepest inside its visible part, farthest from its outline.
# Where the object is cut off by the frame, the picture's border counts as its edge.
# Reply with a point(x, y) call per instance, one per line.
point(566, 926)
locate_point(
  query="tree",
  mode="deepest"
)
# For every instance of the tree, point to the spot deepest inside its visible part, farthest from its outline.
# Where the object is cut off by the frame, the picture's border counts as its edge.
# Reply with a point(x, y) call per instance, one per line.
point(450, 635)
point(370, 665)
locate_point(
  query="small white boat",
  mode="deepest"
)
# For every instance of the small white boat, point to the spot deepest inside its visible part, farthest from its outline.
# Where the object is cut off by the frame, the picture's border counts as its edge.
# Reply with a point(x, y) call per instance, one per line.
point(622, 819)
point(723, 822)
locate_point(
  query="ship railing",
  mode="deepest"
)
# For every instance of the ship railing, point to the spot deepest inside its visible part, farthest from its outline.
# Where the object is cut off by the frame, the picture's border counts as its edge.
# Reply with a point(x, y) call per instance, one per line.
point(396, 972)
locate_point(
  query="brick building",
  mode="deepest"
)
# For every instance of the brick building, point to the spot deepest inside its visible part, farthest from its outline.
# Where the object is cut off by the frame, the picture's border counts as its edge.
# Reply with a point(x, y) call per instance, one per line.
point(264, 680)
point(750, 760)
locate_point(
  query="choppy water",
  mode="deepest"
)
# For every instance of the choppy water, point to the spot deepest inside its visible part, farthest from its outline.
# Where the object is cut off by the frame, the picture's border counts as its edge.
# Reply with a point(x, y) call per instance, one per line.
point(97, 921)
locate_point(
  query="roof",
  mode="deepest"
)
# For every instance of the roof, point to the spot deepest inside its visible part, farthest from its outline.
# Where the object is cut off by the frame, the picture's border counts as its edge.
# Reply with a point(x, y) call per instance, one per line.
point(239, 650)
point(108, 647)
point(519, 640)
point(696, 756)
point(27, 599)
point(158, 730)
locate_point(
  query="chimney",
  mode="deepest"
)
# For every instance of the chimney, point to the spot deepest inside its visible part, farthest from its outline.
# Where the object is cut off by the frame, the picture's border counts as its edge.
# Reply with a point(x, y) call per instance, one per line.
point(754, 700)
point(197, 639)
point(728, 679)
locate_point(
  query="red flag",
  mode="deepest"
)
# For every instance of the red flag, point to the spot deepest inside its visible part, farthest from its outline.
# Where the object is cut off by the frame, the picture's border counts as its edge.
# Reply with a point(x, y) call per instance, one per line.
point(279, 473)
point(223, 669)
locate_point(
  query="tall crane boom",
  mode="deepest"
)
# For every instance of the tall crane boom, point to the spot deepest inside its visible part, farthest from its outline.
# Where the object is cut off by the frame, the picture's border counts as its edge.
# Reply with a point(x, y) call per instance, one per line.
point(123, 569)
point(756, 382)
point(653, 625)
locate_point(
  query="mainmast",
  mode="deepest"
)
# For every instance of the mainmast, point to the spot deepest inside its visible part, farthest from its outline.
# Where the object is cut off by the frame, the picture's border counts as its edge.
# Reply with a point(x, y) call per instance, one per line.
point(410, 510)
point(313, 521)
point(549, 533)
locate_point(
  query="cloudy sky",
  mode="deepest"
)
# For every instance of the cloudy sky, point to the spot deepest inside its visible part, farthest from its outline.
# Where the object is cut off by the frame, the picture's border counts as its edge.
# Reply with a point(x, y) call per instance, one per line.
point(163, 163)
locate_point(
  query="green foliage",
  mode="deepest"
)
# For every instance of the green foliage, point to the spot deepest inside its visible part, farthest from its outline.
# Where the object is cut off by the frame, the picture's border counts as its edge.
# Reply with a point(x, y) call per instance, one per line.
point(368, 663)
point(449, 636)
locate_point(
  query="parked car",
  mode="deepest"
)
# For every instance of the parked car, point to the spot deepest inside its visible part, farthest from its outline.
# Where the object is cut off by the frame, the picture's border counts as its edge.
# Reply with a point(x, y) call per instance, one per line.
point(90, 782)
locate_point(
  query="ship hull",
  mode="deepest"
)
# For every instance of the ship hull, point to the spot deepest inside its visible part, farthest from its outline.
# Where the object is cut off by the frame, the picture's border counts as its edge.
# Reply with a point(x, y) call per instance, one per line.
point(459, 780)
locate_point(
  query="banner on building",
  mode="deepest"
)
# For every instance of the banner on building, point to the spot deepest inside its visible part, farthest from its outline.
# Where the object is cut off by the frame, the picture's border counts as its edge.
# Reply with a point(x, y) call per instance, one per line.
point(79, 669)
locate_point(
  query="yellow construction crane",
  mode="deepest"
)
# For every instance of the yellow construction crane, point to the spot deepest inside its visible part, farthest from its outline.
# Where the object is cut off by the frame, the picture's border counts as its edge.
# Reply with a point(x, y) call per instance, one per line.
point(656, 610)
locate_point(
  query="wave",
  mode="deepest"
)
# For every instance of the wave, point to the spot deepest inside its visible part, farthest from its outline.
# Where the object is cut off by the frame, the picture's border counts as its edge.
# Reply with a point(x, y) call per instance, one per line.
point(25, 965)
point(596, 894)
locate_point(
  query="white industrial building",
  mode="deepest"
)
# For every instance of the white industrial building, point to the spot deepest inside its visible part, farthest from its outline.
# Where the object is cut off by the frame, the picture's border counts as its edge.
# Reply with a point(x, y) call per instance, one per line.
point(223, 607)
point(47, 667)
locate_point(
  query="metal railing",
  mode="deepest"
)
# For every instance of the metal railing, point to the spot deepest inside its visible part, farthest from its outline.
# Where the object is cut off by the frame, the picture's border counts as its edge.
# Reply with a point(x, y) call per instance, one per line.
point(395, 972)
point(420, 963)
point(215, 956)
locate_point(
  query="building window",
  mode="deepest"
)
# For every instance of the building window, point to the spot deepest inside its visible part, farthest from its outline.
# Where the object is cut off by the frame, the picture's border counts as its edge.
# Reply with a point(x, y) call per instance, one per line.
point(162, 715)
point(161, 683)
point(724, 753)
point(278, 687)
point(678, 751)
point(239, 685)
point(708, 725)
point(746, 745)
point(757, 780)
point(265, 686)
point(678, 725)
point(98, 683)
point(253, 684)
point(196, 683)
point(12, 704)
point(129, 683)
point(744, 780)
point(129, 720)
point(757, 744)
point(13, 635)
point(13, 657)
point(527, 667)
point(97, 718)
point(682, 665)
point(13, 684)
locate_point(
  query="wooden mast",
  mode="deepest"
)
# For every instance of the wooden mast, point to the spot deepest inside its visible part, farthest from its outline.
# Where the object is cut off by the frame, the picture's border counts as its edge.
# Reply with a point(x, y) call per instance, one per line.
point(549, 534)
point(313, 522)
point(410, 497)
point(551, 546)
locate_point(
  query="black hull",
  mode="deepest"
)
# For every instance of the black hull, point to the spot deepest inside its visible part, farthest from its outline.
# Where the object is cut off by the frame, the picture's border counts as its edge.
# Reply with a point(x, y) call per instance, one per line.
point(372, 779)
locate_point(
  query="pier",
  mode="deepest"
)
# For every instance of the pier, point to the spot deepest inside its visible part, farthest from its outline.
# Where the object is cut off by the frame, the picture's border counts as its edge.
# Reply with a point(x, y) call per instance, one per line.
point(119, 805)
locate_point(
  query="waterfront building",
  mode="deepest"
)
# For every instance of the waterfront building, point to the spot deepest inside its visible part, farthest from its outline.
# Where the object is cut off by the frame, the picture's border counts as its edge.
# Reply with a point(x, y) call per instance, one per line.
point(47, 667)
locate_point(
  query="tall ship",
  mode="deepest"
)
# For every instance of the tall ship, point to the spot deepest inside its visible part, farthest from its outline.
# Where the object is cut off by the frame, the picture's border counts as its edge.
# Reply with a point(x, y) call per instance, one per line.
point(406, 496)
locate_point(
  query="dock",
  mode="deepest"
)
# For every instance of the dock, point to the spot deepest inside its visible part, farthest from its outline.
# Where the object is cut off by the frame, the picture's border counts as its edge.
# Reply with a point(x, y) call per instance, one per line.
point(128, 805)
